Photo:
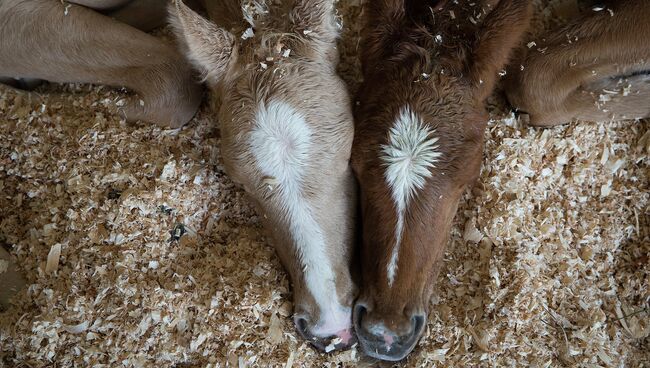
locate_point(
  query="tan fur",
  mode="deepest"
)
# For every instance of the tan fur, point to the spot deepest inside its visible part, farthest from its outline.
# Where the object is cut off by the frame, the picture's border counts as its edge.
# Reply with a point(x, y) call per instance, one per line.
point(61, 42)
point(246, 74)
point(444, 83)
point(594, 53)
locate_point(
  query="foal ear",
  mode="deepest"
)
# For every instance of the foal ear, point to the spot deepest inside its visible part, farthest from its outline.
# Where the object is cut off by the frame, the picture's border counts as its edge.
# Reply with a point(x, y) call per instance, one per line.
point(500, 33)
point(208, 46)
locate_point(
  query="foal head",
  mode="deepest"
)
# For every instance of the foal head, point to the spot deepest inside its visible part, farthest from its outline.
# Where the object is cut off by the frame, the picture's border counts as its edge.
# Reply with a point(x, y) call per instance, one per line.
point(287, 128)
point(419, 140)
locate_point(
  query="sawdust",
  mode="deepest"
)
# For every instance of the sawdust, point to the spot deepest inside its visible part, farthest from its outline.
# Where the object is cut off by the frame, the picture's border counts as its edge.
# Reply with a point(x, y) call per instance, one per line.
point(139, 251)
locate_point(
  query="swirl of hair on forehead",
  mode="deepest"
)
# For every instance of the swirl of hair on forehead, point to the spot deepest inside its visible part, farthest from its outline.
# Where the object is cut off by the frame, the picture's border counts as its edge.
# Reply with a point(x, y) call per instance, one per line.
point(409, 156)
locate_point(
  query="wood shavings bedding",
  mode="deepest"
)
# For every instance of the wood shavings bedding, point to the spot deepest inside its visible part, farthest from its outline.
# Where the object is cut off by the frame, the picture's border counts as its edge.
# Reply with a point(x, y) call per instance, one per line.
point(162, 261)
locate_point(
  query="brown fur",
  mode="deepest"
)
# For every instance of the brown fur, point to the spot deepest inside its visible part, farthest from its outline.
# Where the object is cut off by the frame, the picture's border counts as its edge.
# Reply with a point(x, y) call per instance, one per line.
point(50, 40)
point(445, 84)
point(595, 51)
point(307, 81)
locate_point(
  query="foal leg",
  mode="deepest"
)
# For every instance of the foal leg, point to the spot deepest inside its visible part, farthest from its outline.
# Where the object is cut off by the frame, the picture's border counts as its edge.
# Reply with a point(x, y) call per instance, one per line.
point(144, 15)
point(31, 83)
point(596, 68)
point(45, 39)
point(618, 98)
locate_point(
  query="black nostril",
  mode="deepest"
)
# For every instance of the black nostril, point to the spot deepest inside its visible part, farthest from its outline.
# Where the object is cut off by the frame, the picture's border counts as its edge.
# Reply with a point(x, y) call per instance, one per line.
point(418, 325)
point(359, 311)
point(301, 327)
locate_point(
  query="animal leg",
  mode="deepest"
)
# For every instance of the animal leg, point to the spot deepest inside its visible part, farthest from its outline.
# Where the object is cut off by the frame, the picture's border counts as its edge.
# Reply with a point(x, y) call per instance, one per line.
point(584, 61)
point(48, 40)
point(610, 99)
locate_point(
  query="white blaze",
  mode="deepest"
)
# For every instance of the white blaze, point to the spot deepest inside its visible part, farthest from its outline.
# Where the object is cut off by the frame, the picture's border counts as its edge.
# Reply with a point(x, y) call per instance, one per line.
point(409, 155)
point(281, 143)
